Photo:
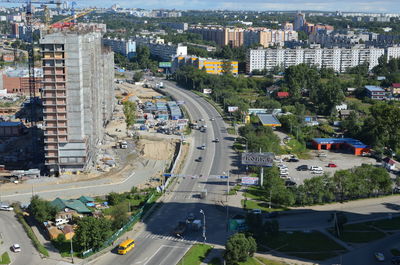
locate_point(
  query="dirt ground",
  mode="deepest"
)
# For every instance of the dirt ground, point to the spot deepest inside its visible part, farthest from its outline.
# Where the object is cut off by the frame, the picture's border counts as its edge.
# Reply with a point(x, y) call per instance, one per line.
point(138, 90)
point(158, 150)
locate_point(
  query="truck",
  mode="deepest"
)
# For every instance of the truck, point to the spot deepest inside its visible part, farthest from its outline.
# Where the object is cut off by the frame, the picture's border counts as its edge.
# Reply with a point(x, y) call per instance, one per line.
point(123, 145)
point(161, 85)
point(180, 229)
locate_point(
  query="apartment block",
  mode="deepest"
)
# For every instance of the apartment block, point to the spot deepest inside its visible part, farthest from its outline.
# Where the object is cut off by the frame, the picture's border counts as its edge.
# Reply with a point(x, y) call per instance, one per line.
point(211, 66)
point(176, 25)
point(78, 93)
point(125, 47)
point(165, 52)
point(268, 37)
point(339, 59)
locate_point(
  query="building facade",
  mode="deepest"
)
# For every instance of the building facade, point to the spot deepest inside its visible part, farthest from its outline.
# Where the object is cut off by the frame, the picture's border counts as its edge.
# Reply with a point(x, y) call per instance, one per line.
point(339, 59)
point(78, 96)
point(211, 66)
point(125, 47)
point(165, 51)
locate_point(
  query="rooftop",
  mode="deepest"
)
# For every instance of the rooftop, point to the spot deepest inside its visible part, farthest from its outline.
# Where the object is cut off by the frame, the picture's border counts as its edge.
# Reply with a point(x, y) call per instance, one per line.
point(374, 88)
point(76, 205)
point(268, 119)
point(353, 142)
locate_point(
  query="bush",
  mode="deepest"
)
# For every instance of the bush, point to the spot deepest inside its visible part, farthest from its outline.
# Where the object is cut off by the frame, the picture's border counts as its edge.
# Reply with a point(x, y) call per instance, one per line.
point(5, 258)
point(30, 232)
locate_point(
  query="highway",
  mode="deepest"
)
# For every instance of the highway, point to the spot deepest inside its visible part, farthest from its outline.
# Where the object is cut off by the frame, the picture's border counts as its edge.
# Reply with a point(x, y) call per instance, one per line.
point(154, 243)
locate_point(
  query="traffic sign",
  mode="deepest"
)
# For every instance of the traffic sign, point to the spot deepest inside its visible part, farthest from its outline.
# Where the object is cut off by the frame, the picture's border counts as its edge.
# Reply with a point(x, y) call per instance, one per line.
point(223, 177)
point(167, 175)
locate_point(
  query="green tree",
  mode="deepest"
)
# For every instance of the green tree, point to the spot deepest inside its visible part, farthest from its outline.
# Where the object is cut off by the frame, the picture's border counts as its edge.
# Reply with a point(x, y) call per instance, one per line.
point(238, 248)
point(137, 76)
point(227, 68)
point(119, 215)
point(92, 232)
point(41, 209)
point(130, 112)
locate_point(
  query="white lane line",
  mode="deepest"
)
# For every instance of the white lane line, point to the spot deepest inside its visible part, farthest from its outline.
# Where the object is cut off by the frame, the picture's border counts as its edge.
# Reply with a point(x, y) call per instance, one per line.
point(162, 246)
point(66, 189)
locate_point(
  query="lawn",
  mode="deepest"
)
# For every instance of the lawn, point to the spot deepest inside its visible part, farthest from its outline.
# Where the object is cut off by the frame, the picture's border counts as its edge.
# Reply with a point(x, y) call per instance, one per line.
point(5, 258)
point(297, 148)
point(387, 224)
point(234, 190)
point(270, 262)
point(256, 193)
point(313, 245)
point(359, 233)
point(250, 261)
point(195, 255)
point(263, 206)
point(231, 131)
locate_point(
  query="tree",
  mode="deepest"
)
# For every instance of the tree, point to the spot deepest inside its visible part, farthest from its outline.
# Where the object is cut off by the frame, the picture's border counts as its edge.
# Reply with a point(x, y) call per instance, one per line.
point(92, 232)
point(137, 76)
point(119, 215)
point(42, 210)
point(239, 248)
point(226, 68)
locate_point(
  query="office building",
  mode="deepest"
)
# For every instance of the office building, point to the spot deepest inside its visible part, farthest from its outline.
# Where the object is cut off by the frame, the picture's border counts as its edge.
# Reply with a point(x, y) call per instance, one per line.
point(339, 59)
point(125, 47)
point(211, 66)
point(78, 95)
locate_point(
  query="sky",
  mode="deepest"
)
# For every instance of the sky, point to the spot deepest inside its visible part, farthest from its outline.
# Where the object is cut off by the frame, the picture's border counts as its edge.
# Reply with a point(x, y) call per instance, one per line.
point(385, 6)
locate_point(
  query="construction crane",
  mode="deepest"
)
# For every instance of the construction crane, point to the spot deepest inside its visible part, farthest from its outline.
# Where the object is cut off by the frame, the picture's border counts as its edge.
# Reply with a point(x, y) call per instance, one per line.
point(71, 20)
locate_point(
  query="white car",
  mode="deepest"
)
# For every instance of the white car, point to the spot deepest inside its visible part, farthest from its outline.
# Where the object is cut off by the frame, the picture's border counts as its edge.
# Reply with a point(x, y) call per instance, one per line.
point(315, 168)
point(379, 256)
point(6, 208)
point(281, 166)
point(16, 248)
point(284, 173)
point(317, 172)
point(256, 211)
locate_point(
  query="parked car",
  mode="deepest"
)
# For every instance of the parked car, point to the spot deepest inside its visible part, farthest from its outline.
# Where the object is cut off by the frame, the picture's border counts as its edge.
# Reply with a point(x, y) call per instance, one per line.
point(317, 172)
point(6, 208)
point(281, 166)
point(379, 256)
point(256, 211)
point(332, 165)
point(315, 168)
point(321, 154)
point(284, 173)
point(200, 159)
point(16, 248)
point(302, 168)
point(190, 217)
point(290, 183)
point(293, 159)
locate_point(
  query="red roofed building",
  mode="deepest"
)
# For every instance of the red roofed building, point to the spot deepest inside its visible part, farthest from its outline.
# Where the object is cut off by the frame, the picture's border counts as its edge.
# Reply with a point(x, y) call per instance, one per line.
point(282, 94)
point(396, 88)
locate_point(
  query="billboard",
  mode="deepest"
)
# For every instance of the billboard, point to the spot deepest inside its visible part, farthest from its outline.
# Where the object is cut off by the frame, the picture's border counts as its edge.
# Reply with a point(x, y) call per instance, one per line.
point(249, 181)
point(207, 91)
point(164, 64)
point(258, 159)
point(233, 108)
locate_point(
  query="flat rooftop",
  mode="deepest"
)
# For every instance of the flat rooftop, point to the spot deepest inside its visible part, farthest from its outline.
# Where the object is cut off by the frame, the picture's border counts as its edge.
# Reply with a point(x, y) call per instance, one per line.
point(353, 142)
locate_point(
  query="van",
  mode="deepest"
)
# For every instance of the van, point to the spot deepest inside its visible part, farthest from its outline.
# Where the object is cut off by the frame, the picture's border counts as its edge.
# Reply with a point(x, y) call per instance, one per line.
point(126, 246)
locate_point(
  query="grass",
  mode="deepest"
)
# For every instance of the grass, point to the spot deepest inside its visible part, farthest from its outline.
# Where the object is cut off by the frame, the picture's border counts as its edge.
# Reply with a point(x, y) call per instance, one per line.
point(295, 147)
point(212, 102)
point(234, 190)
point(263, 206)
point(256, 193)
point(5, 258)
point(250, 261)
point(387, 224)
point(313, 245)
point(395, 252)
point(269, 262)
point(359, 233)
point(30, 232)
point(64, 247)
point(196, 254)
point(231, 131)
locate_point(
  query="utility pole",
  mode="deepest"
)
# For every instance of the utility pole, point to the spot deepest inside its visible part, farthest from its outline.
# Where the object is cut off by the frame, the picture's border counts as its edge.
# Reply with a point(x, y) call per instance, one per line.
point(204, 225)
point(72, 251)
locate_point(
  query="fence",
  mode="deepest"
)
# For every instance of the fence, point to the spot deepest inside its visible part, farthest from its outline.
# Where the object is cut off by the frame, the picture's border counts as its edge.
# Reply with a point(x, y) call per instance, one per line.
point(132, 220)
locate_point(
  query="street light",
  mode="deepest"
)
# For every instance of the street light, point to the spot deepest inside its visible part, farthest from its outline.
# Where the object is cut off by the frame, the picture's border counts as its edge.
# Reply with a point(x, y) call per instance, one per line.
point(204, 225)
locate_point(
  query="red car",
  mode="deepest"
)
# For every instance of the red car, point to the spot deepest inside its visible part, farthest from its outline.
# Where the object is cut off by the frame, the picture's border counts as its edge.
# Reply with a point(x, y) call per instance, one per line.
point(332, 165)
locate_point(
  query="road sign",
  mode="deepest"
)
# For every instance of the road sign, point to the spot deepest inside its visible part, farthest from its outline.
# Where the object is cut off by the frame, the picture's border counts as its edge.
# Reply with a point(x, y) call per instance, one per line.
point(164, 64)
point(223, 177)
point(249, 181)
point(258, 159)
point(167, 175)
point(233, 108)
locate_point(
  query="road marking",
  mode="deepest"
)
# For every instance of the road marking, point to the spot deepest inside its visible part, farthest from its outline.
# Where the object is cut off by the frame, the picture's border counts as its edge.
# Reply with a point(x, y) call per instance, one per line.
point(66, 189)
point(155, 253)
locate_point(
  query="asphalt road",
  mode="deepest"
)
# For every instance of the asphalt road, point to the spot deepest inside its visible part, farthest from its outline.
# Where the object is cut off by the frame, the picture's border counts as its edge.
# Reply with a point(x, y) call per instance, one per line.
point(154, 244)
point(11, 232)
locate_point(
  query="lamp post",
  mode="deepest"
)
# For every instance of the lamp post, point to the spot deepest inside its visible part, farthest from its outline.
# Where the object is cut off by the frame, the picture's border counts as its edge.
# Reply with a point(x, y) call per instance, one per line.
point(204, 225)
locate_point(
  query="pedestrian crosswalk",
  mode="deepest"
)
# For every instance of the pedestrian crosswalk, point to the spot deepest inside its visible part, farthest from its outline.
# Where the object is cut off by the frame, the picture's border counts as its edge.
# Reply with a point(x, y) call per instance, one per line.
point(165, 237)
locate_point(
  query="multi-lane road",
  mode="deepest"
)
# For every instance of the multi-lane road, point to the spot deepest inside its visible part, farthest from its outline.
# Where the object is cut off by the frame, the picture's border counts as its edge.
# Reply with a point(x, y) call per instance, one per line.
point(154, 244)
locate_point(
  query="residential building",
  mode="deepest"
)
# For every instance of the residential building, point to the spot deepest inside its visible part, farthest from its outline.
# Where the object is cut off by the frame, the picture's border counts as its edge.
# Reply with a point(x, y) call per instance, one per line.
point(201, 46)
point(222, 36)
point(16, 81)
point(395, 88)
point(375, 92)
point(211, 66)
point(70, 204)
point(287, 26)
point(268, 37)
point(125, 47)
point(176, 25)
point(299, 21)
point(78, 95)
point(339, 59)
point(165, 52)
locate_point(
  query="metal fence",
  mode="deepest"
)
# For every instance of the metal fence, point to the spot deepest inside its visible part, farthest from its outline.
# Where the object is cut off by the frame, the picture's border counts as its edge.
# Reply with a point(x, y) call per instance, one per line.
point(132, 220)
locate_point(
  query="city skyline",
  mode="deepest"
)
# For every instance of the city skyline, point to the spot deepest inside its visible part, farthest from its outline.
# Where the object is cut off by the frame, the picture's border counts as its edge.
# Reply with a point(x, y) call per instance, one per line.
point(315, 5)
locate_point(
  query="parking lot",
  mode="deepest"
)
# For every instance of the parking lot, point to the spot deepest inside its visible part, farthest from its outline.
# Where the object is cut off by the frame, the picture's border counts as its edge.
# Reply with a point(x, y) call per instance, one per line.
point(341, 160)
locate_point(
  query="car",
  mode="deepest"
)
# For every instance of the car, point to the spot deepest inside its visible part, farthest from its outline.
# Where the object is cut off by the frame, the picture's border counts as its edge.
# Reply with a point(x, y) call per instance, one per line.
point(256, 211)
point(395, 260)
point(203, 147)
point(212, 119)
point(200, 159)
point(191, 217)
point(315, 168)
point(332, 165)
point(201, 120)
point(302, 168)
point(322, 155)
point(6, 208)
point(293, 159)
point(379, 256)
point(284, 173)
point(317, 172)
point(216, 140)
point(290, 183)
point(281, 166)
point(16, 248)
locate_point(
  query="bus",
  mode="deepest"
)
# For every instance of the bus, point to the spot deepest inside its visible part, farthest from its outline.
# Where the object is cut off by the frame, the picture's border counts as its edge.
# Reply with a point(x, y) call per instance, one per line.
point(126, 246)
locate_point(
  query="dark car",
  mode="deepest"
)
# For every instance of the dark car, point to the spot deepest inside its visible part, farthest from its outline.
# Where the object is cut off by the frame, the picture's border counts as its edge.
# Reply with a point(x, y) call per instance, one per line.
point(290, 183)
point(190, 217)
point(293, 159)
point(200, 159)
point(302, 168)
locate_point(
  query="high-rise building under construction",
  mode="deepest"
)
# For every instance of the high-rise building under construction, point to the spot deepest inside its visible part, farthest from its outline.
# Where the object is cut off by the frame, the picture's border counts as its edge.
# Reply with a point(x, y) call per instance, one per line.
point(78, 95)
